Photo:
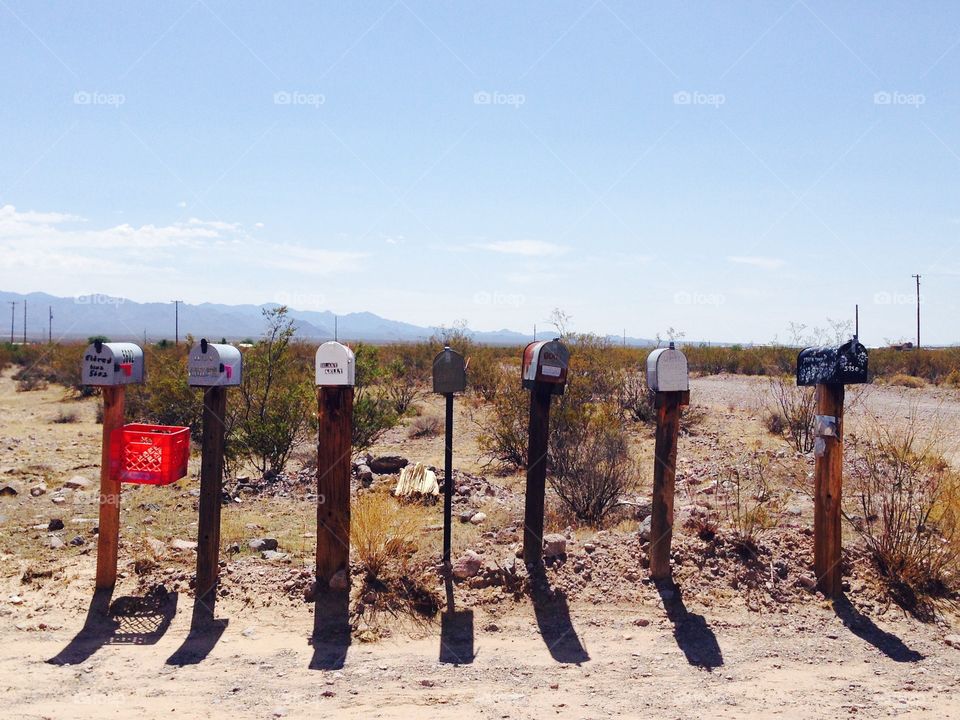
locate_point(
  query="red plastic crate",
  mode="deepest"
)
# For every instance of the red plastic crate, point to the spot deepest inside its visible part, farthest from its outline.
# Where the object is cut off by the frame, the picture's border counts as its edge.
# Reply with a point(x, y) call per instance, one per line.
point(149, 454)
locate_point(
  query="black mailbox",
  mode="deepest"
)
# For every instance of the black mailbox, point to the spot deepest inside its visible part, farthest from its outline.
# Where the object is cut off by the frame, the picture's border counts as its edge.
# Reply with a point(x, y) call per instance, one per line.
point(449, 372)
point(843, 365)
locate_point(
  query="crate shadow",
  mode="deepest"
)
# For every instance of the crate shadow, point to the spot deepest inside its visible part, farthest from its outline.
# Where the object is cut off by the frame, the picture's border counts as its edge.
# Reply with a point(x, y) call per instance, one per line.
point(128, 620)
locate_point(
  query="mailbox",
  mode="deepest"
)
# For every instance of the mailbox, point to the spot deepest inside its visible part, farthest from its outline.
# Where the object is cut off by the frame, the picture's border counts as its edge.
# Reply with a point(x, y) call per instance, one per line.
point(112, 364)
point(843, 365)
point(449, 372)
point(546, 362)
point(667, 370)
point(213, 365)
point(335, 364)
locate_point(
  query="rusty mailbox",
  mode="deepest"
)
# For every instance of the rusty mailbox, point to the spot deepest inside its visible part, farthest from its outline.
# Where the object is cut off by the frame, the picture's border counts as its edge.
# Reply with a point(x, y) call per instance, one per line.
point(667, 370)
point(546, 362)
point(213, 365)
point(449, 372)
point(110, 363)
point(833, 365)
point(336, 364)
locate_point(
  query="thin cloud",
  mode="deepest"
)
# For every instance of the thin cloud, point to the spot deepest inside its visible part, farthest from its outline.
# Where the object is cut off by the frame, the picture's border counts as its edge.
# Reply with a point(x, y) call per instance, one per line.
point(526, 248)
point(764, 263)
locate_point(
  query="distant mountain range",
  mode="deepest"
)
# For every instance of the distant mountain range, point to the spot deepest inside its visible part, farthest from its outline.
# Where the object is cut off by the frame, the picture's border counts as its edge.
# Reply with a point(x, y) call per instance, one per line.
point(122, 319)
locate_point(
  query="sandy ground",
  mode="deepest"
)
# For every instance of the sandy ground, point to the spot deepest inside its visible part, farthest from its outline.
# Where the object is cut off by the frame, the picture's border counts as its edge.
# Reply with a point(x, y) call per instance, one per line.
point(685, 656)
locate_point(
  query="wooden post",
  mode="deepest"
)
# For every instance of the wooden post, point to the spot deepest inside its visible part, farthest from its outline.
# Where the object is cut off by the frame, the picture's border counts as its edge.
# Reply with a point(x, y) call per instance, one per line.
point(335, 416)
point(211, 480)
point(448, 482)
point(667, 405)
point(827, 495)
point(108, 536)
point(537, 444)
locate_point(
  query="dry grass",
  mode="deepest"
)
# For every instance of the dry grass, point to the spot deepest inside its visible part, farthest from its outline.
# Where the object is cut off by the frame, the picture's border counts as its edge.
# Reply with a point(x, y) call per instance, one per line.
point(907, 381)
point(383, 533)
point(426, 426)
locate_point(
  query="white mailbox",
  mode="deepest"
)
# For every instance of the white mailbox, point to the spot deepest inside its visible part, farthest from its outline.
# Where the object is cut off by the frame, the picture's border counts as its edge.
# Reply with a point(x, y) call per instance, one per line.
point(213, 365)
point(667, 370)
point(112, 364)
point(335, 364)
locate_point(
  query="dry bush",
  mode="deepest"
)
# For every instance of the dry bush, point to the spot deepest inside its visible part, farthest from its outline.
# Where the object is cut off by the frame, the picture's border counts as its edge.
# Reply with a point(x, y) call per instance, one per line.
point(953, 379)
point(635, 398)
point(503, 431)
point(796, 408)
point(384, 535)
point(426, 426)
point(403, 385)
point(908, 500)
point(64, 417)
point(749, 504)
point(907, 381)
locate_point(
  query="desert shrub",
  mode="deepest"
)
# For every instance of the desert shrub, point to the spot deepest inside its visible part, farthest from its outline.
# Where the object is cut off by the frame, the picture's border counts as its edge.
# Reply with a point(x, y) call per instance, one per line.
point(635, 398)
point(796, 407)
point(64, 417)
point(774, 421)
point(373, 411)
point(165, 398)
point(403, 385)
point(908, 501)
point(953, 379)
point(383, 533)
point(503, 430)
point(483, 371)
point(749, 505)
point(30, 379)
point(426, 426)
point(691, 418)
point(907, 381)
point(276, 399)
point(589, 461)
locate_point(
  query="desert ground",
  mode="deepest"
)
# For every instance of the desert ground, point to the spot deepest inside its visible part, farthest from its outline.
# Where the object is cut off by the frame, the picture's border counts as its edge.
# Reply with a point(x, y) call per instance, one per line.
point(733, 637)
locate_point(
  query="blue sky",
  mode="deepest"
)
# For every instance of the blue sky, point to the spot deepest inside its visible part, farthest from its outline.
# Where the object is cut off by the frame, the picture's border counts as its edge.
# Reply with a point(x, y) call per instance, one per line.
point(720, 168)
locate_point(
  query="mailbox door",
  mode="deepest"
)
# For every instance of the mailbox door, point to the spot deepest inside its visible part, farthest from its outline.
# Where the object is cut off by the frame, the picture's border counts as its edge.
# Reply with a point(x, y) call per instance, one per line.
point(667, 371)
point(552, 361)
point(335, 364)
point(449, 372)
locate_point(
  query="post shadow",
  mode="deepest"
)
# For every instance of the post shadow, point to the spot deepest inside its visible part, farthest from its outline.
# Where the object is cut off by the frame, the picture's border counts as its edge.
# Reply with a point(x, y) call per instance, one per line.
point(865, 629)
point(553, 619)
point(205, 632)
point(331, 630)
point(127, 620)
point(691, 631)
point(456, 631)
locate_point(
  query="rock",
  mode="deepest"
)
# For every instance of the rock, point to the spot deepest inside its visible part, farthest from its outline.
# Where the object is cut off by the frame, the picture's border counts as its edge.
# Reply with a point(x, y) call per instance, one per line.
point(554, 545)
point(417, 480)
point(261, 544)
point(38, 490)
point(365, 475)
point(478, 518)
point(466, 515)
point(77, 482)
point(388, 464)
point(78, 540)
point(953, 641)
point(9, 490)
point(467, 565)
point(641, 622)
point(644, 529)
point(279, 712)
point(179, 544)
point(157, 547)
point(55, 524)
point(273, 555)
point(233, 548)
point(589, 547)
point(55, 499)
point(807, 582)
point(55, 542)
point(340, 581)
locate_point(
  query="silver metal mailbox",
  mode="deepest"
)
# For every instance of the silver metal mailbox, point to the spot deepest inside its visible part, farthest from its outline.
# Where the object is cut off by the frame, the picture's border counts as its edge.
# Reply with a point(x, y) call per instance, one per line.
point(546, 362)
point(112, 364)
point(449, 372)
point(213, 365)
point(667, 370)
point(336, 364)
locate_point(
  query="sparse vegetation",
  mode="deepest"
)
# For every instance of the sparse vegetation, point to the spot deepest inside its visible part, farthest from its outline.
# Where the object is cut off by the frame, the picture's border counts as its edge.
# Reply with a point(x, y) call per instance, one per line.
point(426, 426)
point(383, 533)
point(793, 409)
point(748, 500)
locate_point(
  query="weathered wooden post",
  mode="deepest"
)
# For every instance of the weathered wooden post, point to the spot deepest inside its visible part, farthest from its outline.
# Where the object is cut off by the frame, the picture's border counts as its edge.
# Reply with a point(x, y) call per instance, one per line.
point(544, 373)
point(335, 374)
point(212, 367)
point(110, 366)
point(668, 379)
point(829, 369)
point(449, 377)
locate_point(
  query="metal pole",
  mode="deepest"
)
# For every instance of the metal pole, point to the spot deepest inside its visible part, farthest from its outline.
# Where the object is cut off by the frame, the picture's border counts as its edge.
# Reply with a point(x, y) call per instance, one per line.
point(24, 322)
point(448, 482)
point(13, 315)
point(856, 321)
point(50, 325)
point(918, 310)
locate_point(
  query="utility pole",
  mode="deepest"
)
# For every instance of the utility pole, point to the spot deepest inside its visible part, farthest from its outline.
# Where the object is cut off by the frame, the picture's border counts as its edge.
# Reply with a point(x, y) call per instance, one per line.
point(176, 321)
point(856, 321)
point(918, 309)
point(24, 322)
point(13, 315)
point(50, 325)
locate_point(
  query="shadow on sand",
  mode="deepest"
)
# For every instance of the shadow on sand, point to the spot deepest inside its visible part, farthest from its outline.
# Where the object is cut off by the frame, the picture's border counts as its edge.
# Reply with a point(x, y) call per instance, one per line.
point(864, 628)
point(691, 631)
point(553, 618)
point(331, 630)
point(127, 620)
point(456, 632)
point(205, 632)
